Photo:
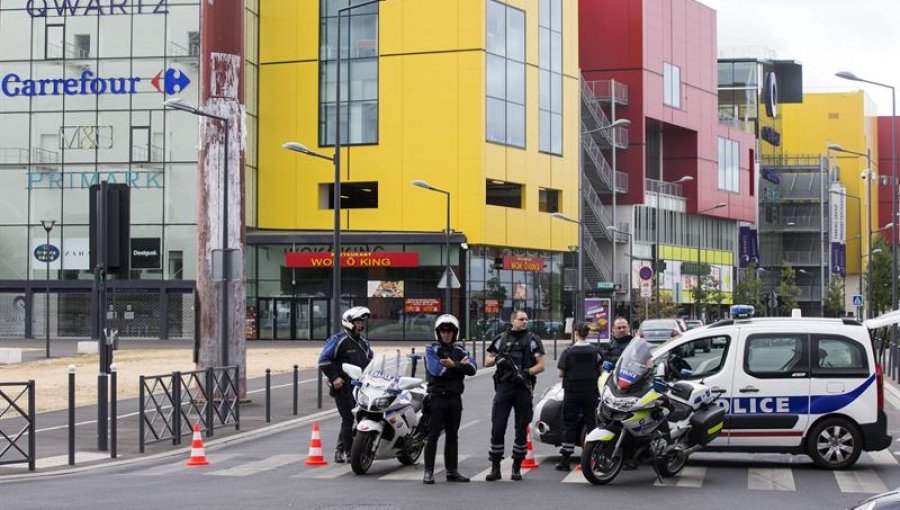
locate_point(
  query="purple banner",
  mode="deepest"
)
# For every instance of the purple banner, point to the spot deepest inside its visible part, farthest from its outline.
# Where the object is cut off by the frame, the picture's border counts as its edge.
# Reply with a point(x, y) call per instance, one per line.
point(748, 247)
point(839, 259)
point(597, 314)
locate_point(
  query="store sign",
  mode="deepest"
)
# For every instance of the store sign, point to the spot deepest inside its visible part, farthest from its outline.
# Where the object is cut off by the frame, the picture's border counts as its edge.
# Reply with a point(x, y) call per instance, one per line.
point(84, 180)
point(349, 259)
point(170, 81)
point(146, 253)
point(75, 254)
point(86, 137)
point(44, 8)
point(491, 306)
point(46, 253)
point(535, 264)
point(422, 305)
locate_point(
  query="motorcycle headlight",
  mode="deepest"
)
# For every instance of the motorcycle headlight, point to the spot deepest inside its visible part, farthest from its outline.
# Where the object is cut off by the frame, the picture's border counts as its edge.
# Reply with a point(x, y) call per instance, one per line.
point(623, 404)
point(362, 399)
point(381, 403)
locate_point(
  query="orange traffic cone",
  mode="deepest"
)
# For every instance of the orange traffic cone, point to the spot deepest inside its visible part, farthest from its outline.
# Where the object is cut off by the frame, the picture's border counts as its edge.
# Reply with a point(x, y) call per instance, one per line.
point(198, 453)
point(528, 462)
point(315, 457)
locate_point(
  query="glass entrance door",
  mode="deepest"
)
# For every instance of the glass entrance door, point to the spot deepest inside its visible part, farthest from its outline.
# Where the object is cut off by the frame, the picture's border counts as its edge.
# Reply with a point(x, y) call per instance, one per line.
point(320, 318)
point(266, 319)
point(283, 319)
point(302, 319)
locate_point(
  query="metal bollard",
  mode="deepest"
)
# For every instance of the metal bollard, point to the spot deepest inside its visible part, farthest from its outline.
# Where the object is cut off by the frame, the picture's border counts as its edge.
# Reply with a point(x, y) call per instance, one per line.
point(71, 415)
point(483, 350)
point(319, 391)
point(142, 401)
point(554, 345)
point(113, 410)
point(296, 388)
point(268, 395)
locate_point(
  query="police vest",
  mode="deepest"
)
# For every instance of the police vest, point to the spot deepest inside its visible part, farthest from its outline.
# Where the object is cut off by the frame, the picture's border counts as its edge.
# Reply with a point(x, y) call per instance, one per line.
point(582, 369)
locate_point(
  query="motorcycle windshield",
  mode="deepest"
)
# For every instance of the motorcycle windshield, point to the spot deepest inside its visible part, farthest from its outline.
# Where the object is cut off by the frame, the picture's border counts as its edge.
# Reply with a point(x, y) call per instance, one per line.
point(385, 370)
point(635, 363)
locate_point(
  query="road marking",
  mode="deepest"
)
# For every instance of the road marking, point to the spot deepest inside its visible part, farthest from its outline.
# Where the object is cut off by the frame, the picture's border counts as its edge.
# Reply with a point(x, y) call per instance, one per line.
point(61, 460)
point(882, 458)
point(252, 468)
point(166, 469)
point(859, 480)
point(327, 474)
point(690, 476)
point(575, 476)
point(467, 425)
point(770, 479)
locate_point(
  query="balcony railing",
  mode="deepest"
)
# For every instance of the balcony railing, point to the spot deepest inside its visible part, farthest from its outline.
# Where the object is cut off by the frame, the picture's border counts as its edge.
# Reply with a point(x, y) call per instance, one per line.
point(802, 258)
point(672, 189)
point(603, 90)
point(600, 211)
point(20, 156)
point(596, 256)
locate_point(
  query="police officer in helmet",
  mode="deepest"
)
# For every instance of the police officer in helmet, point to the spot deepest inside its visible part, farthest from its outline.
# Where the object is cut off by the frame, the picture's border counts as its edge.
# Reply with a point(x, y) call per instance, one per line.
point(579, 368)
point(519, 357)
point(348, 346)
point(447, 364)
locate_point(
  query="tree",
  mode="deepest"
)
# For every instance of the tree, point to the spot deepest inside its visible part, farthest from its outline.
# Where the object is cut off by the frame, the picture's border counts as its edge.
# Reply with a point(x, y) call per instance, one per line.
point(834, 297)
point(712, 295)
point(788, 290)
point(646, 307)
point(749, 289)
point(879, 272)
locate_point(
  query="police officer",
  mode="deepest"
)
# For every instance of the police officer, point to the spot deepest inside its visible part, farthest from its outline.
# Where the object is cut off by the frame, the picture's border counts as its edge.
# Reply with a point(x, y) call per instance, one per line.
point(579, 368)
point(351, 347)
point(619, 341)
point(447, 364)
point(519, 357)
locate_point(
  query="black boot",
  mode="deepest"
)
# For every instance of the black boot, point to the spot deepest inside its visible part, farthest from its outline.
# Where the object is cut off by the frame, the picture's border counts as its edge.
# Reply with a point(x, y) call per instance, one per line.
point(339, 457)
point(564, 463)
point(494, 475)
point(517, 469)
point(428, 479)
point(455, 476)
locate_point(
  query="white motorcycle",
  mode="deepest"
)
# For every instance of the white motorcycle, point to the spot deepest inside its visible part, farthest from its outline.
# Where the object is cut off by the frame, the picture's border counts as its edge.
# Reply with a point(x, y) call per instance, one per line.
point(388, 413)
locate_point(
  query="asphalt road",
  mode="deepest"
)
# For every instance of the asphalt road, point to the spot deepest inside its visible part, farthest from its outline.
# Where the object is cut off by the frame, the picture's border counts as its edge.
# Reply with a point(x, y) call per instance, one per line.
point(269, 473)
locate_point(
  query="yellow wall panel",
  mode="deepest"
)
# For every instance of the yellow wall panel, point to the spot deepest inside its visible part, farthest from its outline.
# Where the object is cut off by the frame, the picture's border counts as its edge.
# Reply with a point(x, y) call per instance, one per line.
point(431, 26)
point(289, 30)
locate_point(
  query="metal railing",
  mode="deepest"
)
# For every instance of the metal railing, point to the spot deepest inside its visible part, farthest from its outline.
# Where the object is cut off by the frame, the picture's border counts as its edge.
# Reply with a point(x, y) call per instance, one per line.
point(600, 211)
point(18, 424)
point(802, 257)
point(593, 252)
point(621, 182)
point(23, 156)
point(603, 90)
point(801, 162)
point(603, 173)
point(170, 404)
point(664, 188)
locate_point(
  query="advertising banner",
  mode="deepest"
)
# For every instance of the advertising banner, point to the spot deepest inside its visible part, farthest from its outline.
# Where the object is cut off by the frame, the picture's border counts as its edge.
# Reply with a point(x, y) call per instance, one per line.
point(523, 264)
point(369, 259)
point(597, 314)
point(422, 305)
point(491, 306)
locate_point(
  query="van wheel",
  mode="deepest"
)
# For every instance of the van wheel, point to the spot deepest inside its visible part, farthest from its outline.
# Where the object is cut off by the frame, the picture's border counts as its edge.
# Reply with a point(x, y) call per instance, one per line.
point(834, 443)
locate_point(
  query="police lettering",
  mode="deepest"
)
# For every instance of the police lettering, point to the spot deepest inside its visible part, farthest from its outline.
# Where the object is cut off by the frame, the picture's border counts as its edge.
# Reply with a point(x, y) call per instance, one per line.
point(44, 8)
point(757, 405)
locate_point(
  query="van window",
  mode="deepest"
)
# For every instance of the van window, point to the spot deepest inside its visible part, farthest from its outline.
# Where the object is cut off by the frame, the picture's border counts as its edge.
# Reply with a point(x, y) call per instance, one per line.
point(776, 356)
point(703, 356)
point(836, 356)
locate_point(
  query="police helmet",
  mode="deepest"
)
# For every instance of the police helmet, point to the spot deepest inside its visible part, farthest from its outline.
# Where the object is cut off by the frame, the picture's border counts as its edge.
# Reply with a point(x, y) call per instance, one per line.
point(354, 314)
point(446, 321)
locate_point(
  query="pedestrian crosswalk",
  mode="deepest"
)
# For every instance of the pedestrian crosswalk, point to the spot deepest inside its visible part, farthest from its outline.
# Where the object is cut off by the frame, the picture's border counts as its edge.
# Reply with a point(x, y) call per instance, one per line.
point(874, 472)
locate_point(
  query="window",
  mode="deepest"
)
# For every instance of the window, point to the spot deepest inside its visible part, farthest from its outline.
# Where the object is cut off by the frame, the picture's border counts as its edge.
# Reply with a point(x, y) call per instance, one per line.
point(193, 44)
point(505, 75)
point(838, 357)
point(140, 144)
point(550, 69)
point(776, 356)
point(354, 195)
point(548, 200)
point(82, 46)
point(54, 41)
point(703, 356)
point(359, 73)
point(729, 165)
point(504, 194)
point(671, 85)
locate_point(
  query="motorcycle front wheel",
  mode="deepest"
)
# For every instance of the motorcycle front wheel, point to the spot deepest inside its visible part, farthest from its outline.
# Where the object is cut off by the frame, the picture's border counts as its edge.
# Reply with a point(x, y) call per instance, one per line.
point(411, 455)
point(671, 465)
point(362, 453)
point(598, 464)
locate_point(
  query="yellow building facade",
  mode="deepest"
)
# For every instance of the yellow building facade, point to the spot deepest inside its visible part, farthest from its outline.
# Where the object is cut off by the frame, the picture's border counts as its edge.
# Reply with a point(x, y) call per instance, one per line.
point(429, 113)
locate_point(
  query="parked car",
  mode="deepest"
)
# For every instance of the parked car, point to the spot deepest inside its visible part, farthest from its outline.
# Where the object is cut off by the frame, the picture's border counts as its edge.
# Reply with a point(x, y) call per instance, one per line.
point(694, 324)
point(660, 330)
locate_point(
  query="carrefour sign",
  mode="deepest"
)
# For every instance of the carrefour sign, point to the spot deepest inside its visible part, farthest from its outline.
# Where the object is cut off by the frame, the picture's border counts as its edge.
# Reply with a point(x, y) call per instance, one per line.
point(168, 81)
point(44, 8)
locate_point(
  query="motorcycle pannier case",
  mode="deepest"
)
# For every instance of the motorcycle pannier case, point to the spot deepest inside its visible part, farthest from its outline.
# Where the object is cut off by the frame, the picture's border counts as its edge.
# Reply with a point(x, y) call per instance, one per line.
point(706, 424)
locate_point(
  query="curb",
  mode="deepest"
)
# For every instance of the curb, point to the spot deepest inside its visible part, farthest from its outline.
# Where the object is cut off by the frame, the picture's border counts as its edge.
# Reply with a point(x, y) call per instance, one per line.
point(235, 439)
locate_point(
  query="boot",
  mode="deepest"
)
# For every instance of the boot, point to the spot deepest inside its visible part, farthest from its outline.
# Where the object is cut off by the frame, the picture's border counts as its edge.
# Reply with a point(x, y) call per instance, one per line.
point(517, 469)
point(339, 457)
point(564, 463)
point(494, 475)
point(455, 476)
point(428, 479)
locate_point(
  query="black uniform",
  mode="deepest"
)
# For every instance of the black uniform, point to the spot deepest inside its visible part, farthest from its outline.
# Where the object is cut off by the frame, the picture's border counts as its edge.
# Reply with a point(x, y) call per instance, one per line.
point(616, 346)
point(339, 349)
point(580, 364)
point(516, 352)
point(445, 387)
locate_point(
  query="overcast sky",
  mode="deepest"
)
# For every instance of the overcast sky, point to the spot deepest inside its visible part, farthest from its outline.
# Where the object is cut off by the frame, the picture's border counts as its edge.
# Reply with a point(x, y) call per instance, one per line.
point(826, 36)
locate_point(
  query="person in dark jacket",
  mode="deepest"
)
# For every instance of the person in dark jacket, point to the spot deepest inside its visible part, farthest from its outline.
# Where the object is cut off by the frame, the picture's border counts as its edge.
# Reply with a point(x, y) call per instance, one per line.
point(579, 368)
point(519, 357)
point(447, 364)
point(619, 341)
point(351, 347)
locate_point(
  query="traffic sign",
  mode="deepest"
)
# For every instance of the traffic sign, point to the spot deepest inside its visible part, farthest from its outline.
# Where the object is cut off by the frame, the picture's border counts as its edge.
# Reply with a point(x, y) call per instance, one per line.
point(646, 272)
point(857, 299)
point(454, 281)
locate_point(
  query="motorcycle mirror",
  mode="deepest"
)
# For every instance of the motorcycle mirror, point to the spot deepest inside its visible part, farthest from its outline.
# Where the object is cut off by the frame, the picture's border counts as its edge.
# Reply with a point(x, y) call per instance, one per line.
point(661, 370)
point(352, 370)
point(686, 373)
point(607, 366)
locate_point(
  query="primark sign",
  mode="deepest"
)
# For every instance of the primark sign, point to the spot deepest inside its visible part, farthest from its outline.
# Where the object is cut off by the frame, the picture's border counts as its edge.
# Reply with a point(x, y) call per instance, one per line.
point(45, 8)
point(84, 180)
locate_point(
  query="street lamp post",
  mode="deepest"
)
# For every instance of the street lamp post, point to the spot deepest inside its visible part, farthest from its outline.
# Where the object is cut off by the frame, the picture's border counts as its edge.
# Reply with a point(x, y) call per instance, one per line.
point(577, 311)
point(48, 226)
point(447, 271)
point(697, 285)
point(615, 230)
point(182, 105)
point(656, 256)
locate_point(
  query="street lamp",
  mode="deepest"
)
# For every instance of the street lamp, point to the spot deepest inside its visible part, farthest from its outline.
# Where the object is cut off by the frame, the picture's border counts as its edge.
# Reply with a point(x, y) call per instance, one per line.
point(615, 230)
point(48, 226)
point(177, 103)
point(577, 312)
point(615, 124)
point(697, 285)
point(447, 272)
point(656, 256)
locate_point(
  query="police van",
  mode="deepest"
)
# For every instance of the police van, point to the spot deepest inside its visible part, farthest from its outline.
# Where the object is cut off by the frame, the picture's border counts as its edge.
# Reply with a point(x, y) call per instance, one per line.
point(790, 385)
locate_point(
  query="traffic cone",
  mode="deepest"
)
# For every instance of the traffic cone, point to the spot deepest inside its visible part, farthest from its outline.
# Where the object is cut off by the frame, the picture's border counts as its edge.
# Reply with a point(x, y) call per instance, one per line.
point(315, 457)
point(528, 462)
point(198, 453)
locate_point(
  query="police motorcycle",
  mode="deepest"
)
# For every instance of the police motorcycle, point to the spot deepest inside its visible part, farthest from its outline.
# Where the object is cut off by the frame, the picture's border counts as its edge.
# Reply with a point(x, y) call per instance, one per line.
point(642, 419)
point(388, 413)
